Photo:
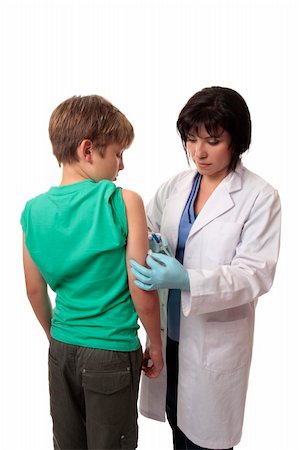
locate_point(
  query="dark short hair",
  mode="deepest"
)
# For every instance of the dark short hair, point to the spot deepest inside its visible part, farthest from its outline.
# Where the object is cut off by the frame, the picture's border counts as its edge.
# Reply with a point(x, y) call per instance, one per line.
point(88, 117)
point(218, 109)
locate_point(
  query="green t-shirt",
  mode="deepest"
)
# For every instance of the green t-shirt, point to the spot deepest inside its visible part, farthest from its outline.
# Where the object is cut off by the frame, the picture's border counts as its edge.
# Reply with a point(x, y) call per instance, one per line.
point(76, 235)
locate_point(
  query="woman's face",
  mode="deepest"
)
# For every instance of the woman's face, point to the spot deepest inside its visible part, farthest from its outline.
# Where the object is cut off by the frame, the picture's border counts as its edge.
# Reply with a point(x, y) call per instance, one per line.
point(210, 154)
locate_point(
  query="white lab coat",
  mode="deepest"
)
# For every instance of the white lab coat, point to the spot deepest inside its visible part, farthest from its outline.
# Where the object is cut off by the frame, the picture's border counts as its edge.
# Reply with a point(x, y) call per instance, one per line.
point(230, 254)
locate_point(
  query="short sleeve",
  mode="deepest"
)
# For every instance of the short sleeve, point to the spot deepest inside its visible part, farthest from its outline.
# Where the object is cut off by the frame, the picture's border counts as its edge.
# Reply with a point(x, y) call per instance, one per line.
point(119, 209)
point(23, 220)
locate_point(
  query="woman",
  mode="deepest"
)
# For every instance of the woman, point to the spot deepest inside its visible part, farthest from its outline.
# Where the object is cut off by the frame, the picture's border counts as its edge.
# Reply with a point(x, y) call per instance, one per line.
point(223, 223)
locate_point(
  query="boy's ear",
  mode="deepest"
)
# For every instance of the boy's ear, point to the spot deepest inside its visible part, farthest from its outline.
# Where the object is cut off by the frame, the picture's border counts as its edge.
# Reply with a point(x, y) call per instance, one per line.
point(85, 150)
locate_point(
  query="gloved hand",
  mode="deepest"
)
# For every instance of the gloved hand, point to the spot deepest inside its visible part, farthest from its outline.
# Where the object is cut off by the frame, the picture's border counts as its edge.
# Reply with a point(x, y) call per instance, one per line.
point(164, 272)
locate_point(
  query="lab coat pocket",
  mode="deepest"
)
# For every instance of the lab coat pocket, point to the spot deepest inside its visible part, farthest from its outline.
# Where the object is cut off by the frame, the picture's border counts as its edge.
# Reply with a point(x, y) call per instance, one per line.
point(226, 345)
point(221, 241)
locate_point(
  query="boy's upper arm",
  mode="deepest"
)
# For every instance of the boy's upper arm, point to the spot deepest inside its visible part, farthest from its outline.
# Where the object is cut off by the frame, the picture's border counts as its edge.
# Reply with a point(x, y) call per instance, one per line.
point(33, 278)
point(137, 241)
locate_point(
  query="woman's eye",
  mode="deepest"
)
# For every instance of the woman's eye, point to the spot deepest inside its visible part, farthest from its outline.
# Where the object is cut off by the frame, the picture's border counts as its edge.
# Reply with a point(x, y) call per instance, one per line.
point(191, 139)
point(213, 142)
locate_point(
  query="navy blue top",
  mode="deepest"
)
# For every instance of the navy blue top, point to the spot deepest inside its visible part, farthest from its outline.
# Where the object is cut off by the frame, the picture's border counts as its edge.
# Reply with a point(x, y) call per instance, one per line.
point(174, 295)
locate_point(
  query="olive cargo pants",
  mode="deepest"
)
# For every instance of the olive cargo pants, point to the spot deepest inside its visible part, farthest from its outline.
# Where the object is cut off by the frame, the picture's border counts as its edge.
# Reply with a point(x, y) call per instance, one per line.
point(93, 397)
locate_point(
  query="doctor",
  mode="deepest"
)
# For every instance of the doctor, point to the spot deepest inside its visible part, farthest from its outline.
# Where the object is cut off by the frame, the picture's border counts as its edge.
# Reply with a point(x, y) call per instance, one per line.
point(223, 224)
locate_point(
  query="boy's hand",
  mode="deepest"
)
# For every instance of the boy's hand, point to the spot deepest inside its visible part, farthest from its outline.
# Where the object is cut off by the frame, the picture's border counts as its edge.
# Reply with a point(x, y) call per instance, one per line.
point(152, 362)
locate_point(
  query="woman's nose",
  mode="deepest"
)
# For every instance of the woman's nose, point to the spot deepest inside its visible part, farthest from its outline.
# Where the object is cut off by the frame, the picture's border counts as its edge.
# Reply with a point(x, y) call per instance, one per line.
point(200, 151)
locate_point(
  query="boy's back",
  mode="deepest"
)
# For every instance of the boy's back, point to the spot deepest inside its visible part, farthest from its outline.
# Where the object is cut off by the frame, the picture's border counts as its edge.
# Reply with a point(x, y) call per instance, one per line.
point(77, 234)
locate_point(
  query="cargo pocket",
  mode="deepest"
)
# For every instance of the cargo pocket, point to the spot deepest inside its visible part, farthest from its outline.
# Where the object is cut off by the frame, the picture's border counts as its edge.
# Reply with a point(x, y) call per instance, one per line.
point(108, 393)
point(106, 383)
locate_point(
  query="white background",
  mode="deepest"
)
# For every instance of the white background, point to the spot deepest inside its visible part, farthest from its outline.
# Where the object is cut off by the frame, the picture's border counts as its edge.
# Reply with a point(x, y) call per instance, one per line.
point(148, 58)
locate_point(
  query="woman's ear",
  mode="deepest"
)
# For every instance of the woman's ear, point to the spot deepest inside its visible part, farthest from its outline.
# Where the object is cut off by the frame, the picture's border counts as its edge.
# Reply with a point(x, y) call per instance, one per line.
point(85, 150)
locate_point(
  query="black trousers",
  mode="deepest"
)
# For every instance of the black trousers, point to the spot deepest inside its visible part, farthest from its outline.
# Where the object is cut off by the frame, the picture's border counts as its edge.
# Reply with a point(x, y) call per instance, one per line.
point(93, 397)
point(180, 440)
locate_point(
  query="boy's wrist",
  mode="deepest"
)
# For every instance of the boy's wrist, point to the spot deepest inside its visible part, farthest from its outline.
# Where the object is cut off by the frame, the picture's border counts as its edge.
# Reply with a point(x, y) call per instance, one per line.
point(155, 347)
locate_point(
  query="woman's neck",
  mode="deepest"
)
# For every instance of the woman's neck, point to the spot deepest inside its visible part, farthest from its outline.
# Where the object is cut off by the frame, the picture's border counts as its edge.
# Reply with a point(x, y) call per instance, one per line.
point(209, 183)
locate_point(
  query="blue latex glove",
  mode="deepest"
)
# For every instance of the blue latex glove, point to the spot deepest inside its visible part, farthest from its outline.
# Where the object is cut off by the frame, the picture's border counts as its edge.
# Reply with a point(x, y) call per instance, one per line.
point(164, 272)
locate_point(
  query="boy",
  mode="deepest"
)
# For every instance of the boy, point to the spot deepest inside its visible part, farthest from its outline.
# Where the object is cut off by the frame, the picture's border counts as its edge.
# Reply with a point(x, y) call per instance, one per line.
point(78, 239)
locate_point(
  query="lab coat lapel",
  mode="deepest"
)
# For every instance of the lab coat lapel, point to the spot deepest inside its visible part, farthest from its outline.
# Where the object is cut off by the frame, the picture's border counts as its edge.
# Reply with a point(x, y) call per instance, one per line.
point(177, 201)
point(220, 200)
point(175, 206)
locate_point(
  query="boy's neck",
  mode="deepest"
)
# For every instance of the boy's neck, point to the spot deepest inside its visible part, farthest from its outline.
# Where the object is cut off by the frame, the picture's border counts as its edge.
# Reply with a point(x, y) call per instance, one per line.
point(72, 173)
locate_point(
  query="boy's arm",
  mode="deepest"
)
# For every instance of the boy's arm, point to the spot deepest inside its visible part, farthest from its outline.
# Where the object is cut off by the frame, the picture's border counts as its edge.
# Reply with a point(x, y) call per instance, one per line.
point(146, 303)
point(37, 291)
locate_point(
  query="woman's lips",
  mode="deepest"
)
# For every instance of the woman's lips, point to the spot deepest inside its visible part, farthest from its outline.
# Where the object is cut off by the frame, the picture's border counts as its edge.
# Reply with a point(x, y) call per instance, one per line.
point(203, 164)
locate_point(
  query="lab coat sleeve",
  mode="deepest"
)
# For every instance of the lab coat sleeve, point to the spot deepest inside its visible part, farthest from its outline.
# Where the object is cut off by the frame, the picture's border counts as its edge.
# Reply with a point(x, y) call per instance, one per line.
point(252, 269)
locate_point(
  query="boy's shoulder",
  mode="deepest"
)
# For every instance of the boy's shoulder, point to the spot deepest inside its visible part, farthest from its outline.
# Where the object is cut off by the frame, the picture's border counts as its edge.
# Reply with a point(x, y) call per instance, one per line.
point(33, 204)
point(56, 191)
point(129, 195)
point(36, 199)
